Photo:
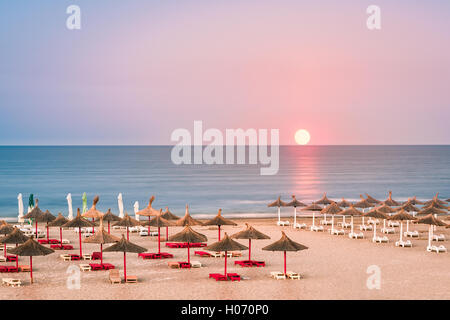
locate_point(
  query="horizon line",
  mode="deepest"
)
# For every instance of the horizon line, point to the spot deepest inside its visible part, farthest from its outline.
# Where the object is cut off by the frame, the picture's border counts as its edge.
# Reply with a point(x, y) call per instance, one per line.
point(225, 145)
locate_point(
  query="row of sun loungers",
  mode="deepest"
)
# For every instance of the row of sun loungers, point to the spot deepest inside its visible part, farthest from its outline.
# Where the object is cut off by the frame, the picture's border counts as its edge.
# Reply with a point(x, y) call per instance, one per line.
point(162, 255)
point(437, 249)
point(184, 265)
point(114, 277)
point(281, 276)
point(404, 244)
point(8, 258)
point(250, 263)
point(185, 245)
point(228, 276)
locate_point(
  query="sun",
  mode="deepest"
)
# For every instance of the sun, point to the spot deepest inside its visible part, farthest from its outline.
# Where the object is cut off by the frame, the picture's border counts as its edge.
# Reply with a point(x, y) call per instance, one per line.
point(302, 137)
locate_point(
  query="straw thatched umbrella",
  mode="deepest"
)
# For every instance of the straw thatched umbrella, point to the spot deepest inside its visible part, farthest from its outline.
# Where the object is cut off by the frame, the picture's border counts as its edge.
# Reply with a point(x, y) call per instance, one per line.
point(376, 215)
point(344, 203)
point(401, 216)
point(385, 209)
point(285, 244)
point(101, 237)
point(15, 237)
point(278, 203)
point(46, 217)
point(6, 229)
point(169, 216)
point(226, 244)
point(435, 204)
point(431, 220)
point(127, 222)
point(414, 201)
point(436, 199)
point(189, 236)
point(59, 222)
point(93, 213)
point(250, 233)
point(295, 203)
point(78, 222)
point(31, 248)
point(332, 209)
point(187, 220)
point(314, 208)
point(408, 206)
point(110, 217)
point(125, 246)
point(218, 221)
point(351, 211)
point(34, 214)
point(324, 200)
point(363, 203)
point(148, 211)
point(431, 210)
point(159, 222)
point(372, 200)
point(390, 202)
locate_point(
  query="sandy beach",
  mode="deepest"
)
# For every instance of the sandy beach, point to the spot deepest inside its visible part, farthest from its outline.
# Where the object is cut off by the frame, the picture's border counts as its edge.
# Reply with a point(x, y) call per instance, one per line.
point(334, 267)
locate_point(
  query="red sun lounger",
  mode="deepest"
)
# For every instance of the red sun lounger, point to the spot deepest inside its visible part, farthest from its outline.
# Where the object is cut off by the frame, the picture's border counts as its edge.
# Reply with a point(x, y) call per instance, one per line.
point(202, 253)
point(95, 266)
point(107, 266)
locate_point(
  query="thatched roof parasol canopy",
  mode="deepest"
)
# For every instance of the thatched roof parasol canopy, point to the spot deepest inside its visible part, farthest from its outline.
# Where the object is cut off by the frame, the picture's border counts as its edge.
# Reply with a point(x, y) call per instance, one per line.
point(158, 222)
point(390, 202)
point(333, 208)
point(431, 220)
point(6, 229)
point(110, 217)
point(59, 221)
point(363, 203)
point(429, 210)
point(101, 236)
point(408, 206)
point(46, 217)
point(31, 248)
point(125, 246)
point(187, 220)
point(344, 203)
point(127, 221)
point(188, 235)
point(169, 215)
point(218, 220)
point(250, 233)
point(226, 244)
point(295, 203)
point(414, 201)
point(372, 200)
point(374, 213)
point(285, 244)
point(402, 215)
point(93, 212)
point(352, 211)
point(324, 200)
point(312, 207)
point(385, 209)
point(78, 222)
point(436, 205)
point(35, 212)
point(148, 211)
point(16, 236)
point(277, 203)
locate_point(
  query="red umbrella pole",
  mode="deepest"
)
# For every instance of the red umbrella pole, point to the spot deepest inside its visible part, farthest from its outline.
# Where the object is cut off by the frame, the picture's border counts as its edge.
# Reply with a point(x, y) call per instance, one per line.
point(167, 233)
point(109, 230)
point(285, 262)
point(17, 259)
point(31, 268)
point(47, 232)
point(79, 238)
point(101, 253)
point(219, 231)
point(60, 236)
point(189, 258)
point(36, 229)
point(249, 249)
point(148, 226)
point(226, 254)
point(159, 241)
point(4, 249)
point(125, 265)
point(93, 221)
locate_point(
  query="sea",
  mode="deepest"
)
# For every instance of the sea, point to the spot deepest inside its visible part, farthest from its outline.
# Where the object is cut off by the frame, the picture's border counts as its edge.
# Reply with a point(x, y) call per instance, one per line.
point(138, 172)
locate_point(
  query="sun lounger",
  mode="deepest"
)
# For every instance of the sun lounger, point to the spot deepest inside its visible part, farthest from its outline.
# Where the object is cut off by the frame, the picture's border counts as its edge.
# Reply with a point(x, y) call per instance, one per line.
point(85, 267)
point(43, 241)
point(143, 233)
point(173, 265)
point(202, 254)
point(278, 275)
point(95, 266)
point(344, 225)
point(387, 230)
point(3, 269)
point(244, 263)
point(216, 254)
point(12, 269)
point(282, 223)
point(366, 227)
point(234, 276)
point(411, 234)
point(236, 254)
point(373, 221)
point(2, 259)
point(96, 255)
point(393, 224)
point(114, 276)
point(11, 258)
point(439, 237)
point(172, 245)
point(108, 266)
point(132, 279)
point(437, 249)
point(196, 264)
point(356, 235)
point(378, 239)
point(66, 257)
point(293, 275)
point(299, 226)
point(317, 228)
point(24, 268)
point(404, 244)
point(218, 276)
point(184, 265)
point(87, 256)
point(337, 232)
point(229, 254)
point(11, 282)
point(325, 222)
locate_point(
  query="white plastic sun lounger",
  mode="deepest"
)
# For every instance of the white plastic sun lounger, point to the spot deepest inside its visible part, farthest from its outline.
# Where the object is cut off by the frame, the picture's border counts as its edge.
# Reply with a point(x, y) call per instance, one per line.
point(380, 239)
point(278, 275)
point(299, 226)
point(293, 275)
point(337, 232)
point(437, 249)
point(366, 227)
point(11, 282)
point(373, 221)
point(404, 244)
point(283, 223)
point(439, 237)
point(411, 234)
point(356, 235)
point(325, 222)
point(393, 224)
point(317, 228)
point(388, 230)
point(196, 264)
